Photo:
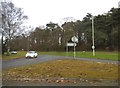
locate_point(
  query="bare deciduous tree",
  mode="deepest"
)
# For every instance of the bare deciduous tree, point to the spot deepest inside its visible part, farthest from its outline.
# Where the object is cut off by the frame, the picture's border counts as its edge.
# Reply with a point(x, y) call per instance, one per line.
point(12, 20)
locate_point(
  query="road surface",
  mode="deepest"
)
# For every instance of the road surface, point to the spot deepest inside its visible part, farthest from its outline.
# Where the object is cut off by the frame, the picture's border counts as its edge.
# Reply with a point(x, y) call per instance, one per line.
point(43, 58)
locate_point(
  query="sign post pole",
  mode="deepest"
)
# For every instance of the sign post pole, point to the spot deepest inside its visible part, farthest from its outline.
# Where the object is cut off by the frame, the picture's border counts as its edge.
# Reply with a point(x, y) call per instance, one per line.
point(74, 39)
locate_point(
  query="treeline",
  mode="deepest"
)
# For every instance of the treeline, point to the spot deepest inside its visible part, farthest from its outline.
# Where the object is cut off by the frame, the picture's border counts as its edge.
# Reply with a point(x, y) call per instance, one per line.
point(54, 37)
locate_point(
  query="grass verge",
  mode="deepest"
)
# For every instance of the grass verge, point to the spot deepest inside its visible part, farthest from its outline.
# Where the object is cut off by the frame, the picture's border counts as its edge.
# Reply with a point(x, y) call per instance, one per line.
point(20, 54)
point(65, 69)
point(99, 55)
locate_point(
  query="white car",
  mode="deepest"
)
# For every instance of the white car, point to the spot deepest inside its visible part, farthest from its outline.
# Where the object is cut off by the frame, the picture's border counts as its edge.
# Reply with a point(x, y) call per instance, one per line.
point(31, 54)
point(13, 52)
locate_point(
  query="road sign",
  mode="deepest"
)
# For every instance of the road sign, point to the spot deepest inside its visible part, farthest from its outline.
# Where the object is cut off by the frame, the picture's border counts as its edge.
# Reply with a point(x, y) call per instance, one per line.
point(75, 39)
point(71, 44)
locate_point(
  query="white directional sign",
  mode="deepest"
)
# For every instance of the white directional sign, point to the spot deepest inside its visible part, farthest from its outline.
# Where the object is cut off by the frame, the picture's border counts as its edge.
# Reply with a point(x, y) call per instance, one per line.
point(71, 44)
point(75, 39)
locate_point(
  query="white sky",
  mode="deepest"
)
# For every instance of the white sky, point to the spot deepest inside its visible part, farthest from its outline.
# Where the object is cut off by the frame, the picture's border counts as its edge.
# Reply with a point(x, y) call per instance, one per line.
point(41, 12)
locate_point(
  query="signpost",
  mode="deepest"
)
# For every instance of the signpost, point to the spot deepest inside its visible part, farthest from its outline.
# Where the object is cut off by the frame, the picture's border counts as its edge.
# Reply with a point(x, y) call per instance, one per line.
point(75, 40)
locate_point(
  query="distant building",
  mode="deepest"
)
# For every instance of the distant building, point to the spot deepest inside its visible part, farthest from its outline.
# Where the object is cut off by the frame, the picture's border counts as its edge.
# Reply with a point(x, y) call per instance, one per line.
point(119, 4)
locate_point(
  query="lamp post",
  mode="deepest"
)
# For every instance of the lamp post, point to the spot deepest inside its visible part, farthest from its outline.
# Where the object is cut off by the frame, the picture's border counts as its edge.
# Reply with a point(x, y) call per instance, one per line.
point(93, 42)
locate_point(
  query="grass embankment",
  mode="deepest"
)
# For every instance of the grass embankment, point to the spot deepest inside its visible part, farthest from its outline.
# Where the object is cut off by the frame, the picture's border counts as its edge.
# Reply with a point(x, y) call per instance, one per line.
point(99, 55)
point(65, 69)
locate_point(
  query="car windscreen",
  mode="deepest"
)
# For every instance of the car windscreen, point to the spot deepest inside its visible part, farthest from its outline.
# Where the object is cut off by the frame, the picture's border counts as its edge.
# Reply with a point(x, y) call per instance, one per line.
point(31, 52)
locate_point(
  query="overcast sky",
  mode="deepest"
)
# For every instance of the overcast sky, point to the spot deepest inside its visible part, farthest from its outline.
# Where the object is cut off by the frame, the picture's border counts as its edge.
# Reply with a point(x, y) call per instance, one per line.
point(41, 12)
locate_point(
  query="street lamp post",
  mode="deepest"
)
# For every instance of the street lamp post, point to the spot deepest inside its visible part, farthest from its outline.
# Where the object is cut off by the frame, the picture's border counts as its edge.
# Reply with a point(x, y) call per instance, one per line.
point(93, 42)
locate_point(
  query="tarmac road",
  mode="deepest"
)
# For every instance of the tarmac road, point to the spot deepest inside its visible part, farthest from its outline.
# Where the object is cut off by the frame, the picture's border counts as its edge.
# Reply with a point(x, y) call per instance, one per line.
point(6, 64)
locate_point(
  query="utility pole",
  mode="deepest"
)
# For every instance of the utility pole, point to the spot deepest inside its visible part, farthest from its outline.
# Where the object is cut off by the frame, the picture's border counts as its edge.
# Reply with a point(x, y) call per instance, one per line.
point(93, 42)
